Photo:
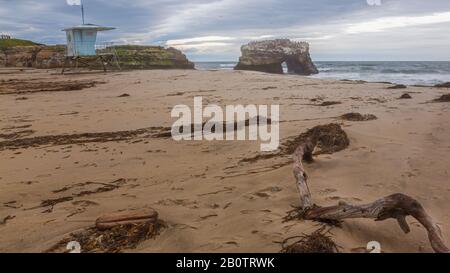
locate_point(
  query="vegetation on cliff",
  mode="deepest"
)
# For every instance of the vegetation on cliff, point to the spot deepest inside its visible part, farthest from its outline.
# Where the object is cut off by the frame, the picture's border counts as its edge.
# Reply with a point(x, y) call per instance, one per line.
point(8, 43)
point(151, 57)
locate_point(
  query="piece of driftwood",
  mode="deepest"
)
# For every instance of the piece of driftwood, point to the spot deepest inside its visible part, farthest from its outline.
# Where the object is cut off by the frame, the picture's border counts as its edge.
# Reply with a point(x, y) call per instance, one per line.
point(396, 206)
point(126, 217)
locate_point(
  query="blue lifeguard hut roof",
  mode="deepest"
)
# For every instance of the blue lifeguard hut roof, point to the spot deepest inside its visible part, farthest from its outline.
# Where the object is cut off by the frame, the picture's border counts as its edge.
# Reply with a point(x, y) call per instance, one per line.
point(89, 27)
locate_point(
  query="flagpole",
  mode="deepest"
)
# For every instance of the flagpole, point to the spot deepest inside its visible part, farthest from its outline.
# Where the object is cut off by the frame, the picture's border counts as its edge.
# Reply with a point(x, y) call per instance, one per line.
point(82, 11)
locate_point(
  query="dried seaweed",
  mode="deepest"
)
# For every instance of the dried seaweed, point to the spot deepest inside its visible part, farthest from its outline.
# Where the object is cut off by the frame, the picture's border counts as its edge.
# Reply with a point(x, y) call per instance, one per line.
point(16, 86)
point(83, 138)
point(398, 86)
point(6, 219)
point(330, 139)
point(317, 242)
point(358, 117)
point(443, 98)
point(114, 240)
point(327, 103)
point(105, 187)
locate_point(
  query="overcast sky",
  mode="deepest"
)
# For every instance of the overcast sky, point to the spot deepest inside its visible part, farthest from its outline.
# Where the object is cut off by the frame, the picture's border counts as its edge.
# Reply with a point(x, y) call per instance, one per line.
point(215, 29)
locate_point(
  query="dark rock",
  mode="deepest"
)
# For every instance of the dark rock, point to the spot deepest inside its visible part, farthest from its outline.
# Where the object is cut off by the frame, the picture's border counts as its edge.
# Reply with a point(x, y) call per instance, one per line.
point(124, 95)
point(398, 86)
point(443, 85)
point(268, 56)
point(405, 96)
point(328, 103)
point(443, 98)
point(358, 117)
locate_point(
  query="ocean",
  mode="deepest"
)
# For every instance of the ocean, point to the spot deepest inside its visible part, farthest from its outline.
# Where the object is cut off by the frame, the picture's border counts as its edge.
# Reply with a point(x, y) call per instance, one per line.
point(409, 73)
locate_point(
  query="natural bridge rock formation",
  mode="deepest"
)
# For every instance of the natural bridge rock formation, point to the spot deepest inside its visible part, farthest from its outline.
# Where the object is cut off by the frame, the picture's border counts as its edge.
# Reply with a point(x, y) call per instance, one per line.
point(268, 56)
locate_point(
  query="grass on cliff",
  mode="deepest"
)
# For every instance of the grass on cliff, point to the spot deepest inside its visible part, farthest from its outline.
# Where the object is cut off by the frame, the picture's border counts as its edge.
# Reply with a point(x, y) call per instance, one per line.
point(136, 55)
point(7, 43)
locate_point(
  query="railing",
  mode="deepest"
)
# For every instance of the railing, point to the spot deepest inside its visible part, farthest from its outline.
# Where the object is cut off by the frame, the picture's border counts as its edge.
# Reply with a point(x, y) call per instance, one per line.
point(104, 45)
point(5, 37)
point(103, 54)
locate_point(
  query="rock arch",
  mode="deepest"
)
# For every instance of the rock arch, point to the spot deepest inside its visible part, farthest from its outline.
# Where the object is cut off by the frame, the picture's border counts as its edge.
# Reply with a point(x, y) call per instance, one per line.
point(268, 56)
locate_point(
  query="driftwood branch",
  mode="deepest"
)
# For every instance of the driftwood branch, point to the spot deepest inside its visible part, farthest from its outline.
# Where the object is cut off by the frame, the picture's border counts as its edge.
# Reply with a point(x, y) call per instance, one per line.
point(396, 206)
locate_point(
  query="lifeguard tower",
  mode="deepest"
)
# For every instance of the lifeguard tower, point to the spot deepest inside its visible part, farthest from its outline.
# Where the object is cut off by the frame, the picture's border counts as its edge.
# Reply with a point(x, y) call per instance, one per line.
point(82, 48)
point(81, 40)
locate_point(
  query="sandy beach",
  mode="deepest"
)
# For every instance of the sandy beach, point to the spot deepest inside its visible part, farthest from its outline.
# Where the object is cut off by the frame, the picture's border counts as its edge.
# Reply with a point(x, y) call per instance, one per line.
point(79, 139)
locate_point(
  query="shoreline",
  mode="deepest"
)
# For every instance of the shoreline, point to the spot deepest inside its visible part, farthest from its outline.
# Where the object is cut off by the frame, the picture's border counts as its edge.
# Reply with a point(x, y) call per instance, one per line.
point(425, 73)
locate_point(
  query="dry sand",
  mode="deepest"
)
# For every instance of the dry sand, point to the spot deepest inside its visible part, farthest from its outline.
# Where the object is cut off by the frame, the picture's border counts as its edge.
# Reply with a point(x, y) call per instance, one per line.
point(210, 201)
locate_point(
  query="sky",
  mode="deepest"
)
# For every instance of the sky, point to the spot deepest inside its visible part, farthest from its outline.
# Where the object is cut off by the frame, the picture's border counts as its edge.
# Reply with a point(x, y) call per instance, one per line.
point(214, 30)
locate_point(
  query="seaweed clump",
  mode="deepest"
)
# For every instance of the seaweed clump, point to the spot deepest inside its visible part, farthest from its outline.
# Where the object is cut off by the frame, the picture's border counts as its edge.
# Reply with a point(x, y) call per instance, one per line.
point(317, 242)
point(398, 86)
point(443, 98)
point(405, 96)
point(330, 139)
point(113, 239)
point(358, 117)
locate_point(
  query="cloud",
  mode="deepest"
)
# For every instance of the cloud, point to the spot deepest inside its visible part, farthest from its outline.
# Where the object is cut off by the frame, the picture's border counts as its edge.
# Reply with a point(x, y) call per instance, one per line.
point(215, 29)
point(386, 23)
point(206, 45)
point(198, 40)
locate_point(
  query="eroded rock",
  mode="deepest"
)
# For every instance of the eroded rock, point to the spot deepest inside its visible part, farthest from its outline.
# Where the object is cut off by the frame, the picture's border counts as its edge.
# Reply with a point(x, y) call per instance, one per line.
point(268, 56)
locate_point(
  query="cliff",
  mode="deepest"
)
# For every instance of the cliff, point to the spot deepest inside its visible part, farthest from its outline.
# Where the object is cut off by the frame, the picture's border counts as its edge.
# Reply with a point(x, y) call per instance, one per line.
point(151, 57)
point(130, 57)
point(268, 56)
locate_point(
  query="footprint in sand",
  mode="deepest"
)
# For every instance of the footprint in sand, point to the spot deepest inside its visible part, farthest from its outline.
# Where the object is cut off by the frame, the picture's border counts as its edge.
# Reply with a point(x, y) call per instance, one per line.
point(345, 199)
point(327, 191)
point(207, 216)
point(178, 202)
point(29, 182)
point(80, 207)
point(12, 205)
point(265, 193)
point(232, 243)
point(247, 211)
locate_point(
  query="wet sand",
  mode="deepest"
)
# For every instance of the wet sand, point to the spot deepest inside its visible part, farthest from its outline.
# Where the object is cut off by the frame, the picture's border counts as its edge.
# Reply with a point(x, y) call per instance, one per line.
point(74, 147)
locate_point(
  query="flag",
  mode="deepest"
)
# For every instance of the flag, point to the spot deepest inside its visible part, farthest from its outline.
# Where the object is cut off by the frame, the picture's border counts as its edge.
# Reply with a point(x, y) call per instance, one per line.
point(74, 2)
